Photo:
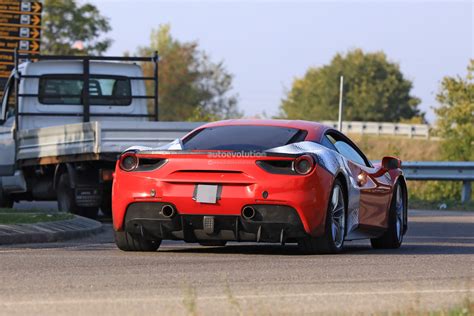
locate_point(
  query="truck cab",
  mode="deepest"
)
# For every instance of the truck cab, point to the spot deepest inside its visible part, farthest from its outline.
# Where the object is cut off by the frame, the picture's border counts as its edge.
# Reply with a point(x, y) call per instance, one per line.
point(64, 120)
point(53, 90)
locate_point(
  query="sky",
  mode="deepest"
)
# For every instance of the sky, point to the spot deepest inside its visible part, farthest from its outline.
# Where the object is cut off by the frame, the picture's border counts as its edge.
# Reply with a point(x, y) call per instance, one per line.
point(267, 44)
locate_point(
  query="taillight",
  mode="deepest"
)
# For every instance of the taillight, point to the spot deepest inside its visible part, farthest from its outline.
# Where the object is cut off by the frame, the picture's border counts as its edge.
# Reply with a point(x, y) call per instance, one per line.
point(128, 162)
point(303, 164)
point(131, 162)
point(276, 166)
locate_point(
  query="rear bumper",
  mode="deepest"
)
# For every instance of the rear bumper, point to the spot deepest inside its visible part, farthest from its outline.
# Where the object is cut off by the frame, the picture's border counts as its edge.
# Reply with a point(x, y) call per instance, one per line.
point(306, 195)
point(272, 223)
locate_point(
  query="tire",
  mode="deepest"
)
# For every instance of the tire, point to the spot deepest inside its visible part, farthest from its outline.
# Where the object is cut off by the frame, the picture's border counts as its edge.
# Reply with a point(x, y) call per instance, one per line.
point(214, 243)
point(128, 242)
point(5, 200)
point(67, 200)
point(393, 236)
point(332, 241)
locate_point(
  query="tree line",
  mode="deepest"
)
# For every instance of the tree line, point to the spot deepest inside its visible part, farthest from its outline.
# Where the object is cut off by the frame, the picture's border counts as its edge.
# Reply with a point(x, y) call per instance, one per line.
point(194, 87)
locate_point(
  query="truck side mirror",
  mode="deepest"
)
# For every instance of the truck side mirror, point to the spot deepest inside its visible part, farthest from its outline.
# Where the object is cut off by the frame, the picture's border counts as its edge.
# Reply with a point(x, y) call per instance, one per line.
point(391, 163)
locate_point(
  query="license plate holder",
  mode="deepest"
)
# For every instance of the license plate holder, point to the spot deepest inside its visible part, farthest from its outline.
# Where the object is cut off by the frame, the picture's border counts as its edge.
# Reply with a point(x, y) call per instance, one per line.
point(206, 193)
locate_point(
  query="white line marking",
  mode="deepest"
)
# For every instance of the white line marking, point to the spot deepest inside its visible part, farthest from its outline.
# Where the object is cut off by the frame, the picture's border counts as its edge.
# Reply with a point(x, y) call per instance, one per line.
point(223, 297)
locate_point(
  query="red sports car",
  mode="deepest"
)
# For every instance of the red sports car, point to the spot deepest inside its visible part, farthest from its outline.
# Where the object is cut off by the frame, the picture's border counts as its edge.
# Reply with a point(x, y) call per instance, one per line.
point(258, 181)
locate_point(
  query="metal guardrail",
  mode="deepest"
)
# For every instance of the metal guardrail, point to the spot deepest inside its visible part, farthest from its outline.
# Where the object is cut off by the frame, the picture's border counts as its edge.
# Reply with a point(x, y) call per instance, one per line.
point(383, 128)
point(442, 171)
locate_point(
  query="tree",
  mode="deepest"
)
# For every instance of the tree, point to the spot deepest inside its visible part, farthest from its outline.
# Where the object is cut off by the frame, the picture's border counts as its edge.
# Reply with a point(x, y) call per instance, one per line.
point(67, 26)
point(374, 90)
point(191, 86)
point(455, 126)
point(455, 116)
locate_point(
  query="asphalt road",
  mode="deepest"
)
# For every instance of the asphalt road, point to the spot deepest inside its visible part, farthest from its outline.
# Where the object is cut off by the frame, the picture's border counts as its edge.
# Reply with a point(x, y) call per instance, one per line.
point(434, 269)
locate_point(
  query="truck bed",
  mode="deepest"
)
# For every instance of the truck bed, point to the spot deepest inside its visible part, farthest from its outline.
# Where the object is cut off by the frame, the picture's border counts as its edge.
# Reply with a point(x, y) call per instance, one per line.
point(94, 140)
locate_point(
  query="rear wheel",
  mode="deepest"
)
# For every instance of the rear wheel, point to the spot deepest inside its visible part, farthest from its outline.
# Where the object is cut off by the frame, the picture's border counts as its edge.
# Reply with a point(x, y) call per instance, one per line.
point(131, 242)
point(393, 237)
point(5, 200)
point(335, 227)
point(67, 199)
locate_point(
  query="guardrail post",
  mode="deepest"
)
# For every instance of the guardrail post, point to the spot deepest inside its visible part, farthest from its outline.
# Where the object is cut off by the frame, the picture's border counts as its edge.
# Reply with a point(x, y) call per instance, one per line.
point(466, 191)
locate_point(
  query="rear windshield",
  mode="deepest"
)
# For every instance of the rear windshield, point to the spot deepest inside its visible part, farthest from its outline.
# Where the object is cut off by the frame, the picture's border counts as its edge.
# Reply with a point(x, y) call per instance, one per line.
point(68, 90)
point(243, 137)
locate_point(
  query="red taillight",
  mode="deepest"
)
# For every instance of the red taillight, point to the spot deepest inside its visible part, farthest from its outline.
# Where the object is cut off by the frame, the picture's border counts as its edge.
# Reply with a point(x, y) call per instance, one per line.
point(303, 164)
point(128, 162)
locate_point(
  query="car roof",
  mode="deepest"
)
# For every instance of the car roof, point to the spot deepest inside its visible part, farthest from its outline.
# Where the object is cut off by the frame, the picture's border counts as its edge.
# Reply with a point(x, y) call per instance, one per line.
point(315, 130)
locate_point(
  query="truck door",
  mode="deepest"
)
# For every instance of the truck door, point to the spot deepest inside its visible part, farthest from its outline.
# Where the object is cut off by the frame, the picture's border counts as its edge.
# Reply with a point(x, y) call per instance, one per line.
point(7, 128)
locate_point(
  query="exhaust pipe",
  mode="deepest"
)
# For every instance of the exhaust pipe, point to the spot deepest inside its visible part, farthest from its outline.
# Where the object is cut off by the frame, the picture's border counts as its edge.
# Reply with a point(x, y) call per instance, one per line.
point(168, 211)
point(248, 212)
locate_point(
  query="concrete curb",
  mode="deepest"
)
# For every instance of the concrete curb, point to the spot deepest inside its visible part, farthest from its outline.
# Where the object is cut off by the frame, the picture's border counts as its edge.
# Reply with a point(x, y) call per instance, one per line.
point(49, 231)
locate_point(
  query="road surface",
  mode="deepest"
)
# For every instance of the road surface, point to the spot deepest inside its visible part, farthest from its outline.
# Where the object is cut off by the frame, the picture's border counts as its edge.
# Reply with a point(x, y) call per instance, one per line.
point(434, 269)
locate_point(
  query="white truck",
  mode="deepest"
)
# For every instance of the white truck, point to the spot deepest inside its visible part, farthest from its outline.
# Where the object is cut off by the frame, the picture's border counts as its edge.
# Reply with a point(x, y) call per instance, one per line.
point(60, 140)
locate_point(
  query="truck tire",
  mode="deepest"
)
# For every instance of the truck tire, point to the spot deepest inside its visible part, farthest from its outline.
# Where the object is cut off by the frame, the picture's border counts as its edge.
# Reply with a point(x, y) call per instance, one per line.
point(131, 242)
point(5, 200)
point(67, 199)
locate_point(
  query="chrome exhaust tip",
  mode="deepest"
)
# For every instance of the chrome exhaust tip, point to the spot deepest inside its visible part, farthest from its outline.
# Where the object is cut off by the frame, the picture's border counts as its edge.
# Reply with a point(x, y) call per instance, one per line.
point(168, 211)
point(248, 212)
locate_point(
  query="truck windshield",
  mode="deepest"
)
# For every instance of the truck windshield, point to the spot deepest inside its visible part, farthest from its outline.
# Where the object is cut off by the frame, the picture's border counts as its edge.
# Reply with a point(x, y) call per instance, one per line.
point(67, 89)
point(243, 137)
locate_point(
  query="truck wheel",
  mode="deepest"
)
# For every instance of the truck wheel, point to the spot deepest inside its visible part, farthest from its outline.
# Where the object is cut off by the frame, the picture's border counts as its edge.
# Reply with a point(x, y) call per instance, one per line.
point(67, 199)
point(5, 201)
point(128, 242)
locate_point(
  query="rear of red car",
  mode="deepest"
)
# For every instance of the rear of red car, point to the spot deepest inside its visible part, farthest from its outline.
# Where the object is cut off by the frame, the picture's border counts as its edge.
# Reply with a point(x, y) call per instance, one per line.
point(220, 194)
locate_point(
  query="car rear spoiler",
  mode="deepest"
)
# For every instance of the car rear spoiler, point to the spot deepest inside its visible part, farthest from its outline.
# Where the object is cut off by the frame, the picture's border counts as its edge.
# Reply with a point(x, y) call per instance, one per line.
point(213, 153)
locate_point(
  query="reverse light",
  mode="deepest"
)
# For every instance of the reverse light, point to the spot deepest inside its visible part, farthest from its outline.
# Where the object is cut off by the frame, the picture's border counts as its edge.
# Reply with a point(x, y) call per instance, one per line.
point(303, 164)
point(128, 162)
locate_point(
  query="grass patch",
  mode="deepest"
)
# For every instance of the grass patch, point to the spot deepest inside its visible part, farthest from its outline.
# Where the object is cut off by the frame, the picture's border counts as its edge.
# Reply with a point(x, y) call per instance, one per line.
point(449, 205)
point(415, 149)
point(9, 217)
point(189, 300)
point(407, 149)
point(464, 309)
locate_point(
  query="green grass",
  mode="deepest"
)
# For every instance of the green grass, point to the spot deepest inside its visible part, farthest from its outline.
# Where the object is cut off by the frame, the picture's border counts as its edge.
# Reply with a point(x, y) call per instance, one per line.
point(9, 217)
point(464, 309)
point(448, 205)
point(407, 149)
point(415, 149)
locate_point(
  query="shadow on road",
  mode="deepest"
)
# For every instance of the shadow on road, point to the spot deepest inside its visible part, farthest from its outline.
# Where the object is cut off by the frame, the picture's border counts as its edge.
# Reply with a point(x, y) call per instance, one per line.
point(423, 238)
point(292, 250)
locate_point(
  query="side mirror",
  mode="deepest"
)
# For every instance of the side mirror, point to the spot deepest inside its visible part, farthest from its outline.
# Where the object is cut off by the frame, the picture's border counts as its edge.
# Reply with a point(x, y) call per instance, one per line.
point(388, 163)
point(391, 163)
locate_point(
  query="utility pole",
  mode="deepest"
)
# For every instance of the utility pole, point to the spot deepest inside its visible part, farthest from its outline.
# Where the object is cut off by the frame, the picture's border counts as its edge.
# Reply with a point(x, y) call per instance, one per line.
point(340, 103)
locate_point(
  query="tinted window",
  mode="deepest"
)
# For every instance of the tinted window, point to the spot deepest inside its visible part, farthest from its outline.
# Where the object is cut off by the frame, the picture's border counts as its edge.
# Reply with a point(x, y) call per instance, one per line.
point(347, 149)
point(247, 138)
point(102, 90)
point(350, 153)
point(327, 143)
